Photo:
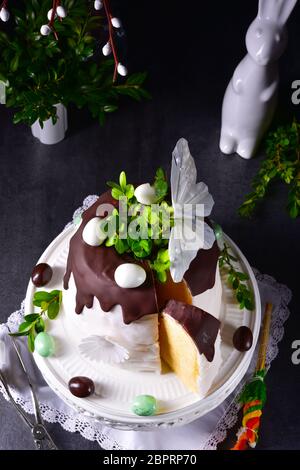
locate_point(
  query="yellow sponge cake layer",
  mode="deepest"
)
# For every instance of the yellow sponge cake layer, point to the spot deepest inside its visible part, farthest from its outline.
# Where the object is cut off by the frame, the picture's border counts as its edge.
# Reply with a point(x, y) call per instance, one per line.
point(179, 351)
point(187, 336)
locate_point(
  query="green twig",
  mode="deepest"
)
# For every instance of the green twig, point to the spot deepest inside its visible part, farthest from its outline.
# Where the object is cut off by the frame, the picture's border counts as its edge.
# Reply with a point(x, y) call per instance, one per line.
point(49, 303)
point(236, 279)
point(282, 163)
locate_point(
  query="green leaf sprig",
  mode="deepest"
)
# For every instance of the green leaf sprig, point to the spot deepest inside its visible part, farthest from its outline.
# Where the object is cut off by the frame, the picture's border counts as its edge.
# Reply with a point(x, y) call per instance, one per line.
point(161, 264)
point(283, 163)
point(122, 189)
point(156, 225)
point(160, 185)
point(34, 323)
point(236, 279)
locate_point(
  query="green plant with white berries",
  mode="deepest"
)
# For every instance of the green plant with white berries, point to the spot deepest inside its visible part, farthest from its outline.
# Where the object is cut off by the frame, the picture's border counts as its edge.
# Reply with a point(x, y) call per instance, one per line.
point(48, 57)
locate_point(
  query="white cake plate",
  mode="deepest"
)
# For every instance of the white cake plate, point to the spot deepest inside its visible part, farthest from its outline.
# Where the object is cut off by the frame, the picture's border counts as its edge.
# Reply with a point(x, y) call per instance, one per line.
point(115, 387)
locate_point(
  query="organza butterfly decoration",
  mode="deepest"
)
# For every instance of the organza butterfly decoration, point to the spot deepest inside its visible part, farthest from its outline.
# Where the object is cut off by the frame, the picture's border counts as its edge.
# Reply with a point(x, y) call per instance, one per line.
point(192, 202)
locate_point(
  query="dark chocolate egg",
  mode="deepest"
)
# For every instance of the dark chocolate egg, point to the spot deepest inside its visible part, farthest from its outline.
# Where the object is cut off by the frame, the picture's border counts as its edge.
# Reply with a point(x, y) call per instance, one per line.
point(81, 386)
point(41, 274)
point(242, 339)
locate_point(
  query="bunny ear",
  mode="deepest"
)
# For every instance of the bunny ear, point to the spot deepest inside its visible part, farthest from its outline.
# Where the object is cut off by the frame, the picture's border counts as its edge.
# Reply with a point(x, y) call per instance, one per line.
point(263, 8)
point(276, 10)
point(286, 9)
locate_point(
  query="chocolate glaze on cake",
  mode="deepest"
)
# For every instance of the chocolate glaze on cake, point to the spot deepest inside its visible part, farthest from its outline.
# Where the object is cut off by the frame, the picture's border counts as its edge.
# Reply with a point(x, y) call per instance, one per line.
point(201, 274)
point(93, 271)
point(201, 326)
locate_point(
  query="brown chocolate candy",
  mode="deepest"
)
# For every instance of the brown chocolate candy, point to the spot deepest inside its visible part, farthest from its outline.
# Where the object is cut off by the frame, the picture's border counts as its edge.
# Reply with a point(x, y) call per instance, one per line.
point(242, 339)
point(41, 274)
point(81, 386)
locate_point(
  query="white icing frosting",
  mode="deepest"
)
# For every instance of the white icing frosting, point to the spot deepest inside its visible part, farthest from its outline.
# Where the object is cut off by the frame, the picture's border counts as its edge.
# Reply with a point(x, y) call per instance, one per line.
point(139, 338)
point(209, 370)
point(210, 301)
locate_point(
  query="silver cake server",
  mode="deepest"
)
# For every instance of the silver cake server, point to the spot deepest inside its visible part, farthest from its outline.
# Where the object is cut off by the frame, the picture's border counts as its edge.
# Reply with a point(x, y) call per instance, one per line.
point(42, 438)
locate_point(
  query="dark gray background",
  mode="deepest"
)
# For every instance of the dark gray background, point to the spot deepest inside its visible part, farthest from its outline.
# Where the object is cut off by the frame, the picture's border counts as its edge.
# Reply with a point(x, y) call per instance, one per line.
point(190, 55)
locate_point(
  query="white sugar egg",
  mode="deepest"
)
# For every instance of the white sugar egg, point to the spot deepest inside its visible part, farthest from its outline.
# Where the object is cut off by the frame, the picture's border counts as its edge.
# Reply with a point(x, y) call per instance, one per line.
point(61, 12)
point(145, 194)
point(45, 30)
point(4, 14)
point(130, 275)
point(92, 234)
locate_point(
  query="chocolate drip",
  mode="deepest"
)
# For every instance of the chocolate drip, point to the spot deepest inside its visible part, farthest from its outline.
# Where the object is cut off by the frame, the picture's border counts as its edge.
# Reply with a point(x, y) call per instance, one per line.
point(93, 271)
point(201, 326)
point(201, 274)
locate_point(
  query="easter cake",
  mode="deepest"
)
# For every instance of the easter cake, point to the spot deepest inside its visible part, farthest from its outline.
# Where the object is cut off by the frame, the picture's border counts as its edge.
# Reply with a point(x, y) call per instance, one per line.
point(149, 303)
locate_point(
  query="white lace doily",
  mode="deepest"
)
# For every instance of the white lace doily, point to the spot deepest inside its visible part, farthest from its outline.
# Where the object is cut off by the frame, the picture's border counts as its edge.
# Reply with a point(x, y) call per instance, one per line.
point(205, 433)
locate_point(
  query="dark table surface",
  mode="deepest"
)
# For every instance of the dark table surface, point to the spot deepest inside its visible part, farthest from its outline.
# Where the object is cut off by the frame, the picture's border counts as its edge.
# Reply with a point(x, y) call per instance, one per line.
point(190, 56)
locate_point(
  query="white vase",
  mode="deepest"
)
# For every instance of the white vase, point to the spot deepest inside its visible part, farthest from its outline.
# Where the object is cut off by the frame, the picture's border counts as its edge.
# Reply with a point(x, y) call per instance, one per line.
point(52, 133)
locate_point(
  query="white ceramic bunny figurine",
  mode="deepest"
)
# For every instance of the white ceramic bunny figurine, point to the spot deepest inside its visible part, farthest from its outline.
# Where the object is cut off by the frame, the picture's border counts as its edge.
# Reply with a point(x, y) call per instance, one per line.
point(250, 99)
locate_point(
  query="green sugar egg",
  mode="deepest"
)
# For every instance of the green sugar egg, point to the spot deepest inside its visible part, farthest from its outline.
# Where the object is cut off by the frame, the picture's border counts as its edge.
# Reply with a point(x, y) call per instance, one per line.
point(44, 344)
point(144, 405)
